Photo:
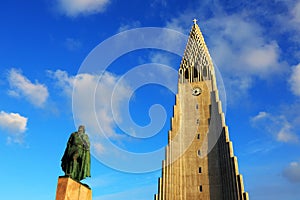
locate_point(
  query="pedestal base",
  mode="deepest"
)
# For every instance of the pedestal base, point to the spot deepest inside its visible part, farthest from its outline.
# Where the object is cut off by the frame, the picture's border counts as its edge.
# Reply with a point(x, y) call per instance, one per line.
point(69, 189)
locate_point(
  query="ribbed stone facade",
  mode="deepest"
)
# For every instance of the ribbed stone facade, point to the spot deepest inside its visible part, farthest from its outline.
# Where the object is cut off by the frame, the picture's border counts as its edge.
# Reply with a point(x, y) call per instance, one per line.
point(199, 162)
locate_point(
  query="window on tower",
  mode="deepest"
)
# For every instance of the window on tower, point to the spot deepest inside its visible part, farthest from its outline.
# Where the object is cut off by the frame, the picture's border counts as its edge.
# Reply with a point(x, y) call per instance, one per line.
point(180, 71)
point(195, 72)
point(186, 74)
point(198, 136)
point(204, 71)
point(200, 188)
point(199, 153)
point(200, 170)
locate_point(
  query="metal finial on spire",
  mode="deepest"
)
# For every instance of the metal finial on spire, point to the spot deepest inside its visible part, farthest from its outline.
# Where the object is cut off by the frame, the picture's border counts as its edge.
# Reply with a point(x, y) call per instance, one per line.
point(195, 21)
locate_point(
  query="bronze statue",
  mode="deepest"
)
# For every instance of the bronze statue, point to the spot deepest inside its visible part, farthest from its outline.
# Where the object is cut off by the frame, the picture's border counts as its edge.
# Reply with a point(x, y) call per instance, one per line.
point(76, 160)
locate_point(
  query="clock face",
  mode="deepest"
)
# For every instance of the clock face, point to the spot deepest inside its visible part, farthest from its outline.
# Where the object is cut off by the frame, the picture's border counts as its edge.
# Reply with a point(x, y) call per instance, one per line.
point(196, 91)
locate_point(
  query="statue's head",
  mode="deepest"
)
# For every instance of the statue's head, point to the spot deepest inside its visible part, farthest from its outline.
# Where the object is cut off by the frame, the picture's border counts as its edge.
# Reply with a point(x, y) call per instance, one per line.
point(81, 129)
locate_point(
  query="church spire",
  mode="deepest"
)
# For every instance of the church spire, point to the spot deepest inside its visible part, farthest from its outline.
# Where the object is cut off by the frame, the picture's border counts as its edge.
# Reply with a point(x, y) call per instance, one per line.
point(199, 162)
point(196, 64)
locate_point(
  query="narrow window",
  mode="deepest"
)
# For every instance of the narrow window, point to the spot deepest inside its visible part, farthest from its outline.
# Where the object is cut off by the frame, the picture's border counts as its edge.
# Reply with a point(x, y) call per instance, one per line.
point(200, 170)
point(199, 153)
point(186, 74)
point(204, 71)
point(198, 136)
point(195, 73)
point(200, 188)
point(197, 121)
point(197, 106)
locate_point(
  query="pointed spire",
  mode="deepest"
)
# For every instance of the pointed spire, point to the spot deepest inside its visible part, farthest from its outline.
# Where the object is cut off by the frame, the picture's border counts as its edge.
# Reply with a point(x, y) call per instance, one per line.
point(196, 64)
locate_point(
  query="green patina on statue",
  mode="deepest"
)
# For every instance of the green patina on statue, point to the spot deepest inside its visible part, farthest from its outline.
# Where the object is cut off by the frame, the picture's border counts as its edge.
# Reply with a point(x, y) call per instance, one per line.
point(76, 161)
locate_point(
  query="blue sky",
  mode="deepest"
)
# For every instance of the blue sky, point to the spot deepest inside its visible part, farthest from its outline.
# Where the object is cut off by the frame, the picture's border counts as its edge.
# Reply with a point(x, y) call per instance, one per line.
point(254, 44)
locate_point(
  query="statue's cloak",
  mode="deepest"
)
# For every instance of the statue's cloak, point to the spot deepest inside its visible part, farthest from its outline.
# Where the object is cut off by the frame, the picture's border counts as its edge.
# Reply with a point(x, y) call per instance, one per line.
point(76, 160)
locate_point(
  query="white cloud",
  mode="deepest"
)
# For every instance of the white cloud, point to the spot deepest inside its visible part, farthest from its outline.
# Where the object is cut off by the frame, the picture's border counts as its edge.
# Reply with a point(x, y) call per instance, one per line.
point(236, 87)
point(14, 124)
point(288, 23)
point(183, 22)
point(20, 86)
point(295, 13)
point(295, 80)
point(63, 81)
point(285, 133)
point(98, 147)
point(259, 116)
point(278, 126)
point(90, 88)
point(239, 45)
point(262, 59)
point(131, 25)
point(160, 58)
point(73, 8)
point(292, 172)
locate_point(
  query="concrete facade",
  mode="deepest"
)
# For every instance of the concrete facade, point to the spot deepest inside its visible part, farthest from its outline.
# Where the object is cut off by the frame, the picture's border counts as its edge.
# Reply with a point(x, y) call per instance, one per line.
point(199, 162)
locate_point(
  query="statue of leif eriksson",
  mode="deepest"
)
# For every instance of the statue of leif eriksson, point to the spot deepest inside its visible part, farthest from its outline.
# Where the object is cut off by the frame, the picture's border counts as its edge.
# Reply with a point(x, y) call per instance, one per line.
point(76, 161)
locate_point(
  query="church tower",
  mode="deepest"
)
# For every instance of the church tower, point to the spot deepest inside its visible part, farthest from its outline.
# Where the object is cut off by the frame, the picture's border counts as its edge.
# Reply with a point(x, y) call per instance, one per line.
point(199, 161)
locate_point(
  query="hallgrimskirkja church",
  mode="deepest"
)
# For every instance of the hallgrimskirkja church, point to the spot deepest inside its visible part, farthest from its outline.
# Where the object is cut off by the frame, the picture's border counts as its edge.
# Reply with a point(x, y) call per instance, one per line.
point(199, 162)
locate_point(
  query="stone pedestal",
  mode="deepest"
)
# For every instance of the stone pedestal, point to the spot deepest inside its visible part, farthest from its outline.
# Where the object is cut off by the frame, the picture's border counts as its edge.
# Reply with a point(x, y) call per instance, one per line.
point(69, 189)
